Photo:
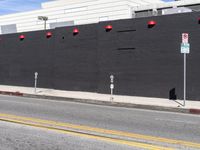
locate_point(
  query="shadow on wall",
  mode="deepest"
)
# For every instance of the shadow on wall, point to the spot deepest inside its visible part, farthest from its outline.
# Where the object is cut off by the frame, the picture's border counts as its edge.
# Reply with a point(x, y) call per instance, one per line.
point(172, 94)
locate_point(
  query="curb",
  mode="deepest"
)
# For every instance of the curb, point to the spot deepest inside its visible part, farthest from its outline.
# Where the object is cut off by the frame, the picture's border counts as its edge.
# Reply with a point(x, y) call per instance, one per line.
point(106, 103)
point(11, 93)
point(114, 104)
point(194, 111)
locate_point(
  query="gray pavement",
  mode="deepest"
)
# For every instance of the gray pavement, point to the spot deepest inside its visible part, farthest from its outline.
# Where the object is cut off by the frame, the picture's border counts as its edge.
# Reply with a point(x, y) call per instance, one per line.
point(105, 99)
point(20, 137)
point(154, 123)
point(65, 106)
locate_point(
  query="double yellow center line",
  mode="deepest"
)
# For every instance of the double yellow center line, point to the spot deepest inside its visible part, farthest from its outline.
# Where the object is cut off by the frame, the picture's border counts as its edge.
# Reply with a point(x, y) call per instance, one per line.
point(98, 133)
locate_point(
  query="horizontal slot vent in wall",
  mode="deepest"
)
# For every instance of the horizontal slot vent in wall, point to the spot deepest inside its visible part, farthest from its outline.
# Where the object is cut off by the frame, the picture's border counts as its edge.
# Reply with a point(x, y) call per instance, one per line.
point(126, 31)
point(126, 49)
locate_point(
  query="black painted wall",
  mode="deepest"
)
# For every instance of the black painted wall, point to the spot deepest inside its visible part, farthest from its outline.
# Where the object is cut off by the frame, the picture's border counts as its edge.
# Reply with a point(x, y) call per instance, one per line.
point(145, 61)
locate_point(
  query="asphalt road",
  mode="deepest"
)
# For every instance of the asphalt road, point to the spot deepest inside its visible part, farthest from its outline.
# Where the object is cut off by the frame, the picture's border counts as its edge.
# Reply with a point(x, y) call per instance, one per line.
point(19, 137)
point(154, 123)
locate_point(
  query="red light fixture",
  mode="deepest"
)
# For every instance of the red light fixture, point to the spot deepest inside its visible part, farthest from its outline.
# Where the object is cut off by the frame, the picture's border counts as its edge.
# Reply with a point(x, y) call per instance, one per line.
point(199, 20)
point(22, 37)
point(151, 23)
point(75, 31)
point(48, 34)
point(108, 28)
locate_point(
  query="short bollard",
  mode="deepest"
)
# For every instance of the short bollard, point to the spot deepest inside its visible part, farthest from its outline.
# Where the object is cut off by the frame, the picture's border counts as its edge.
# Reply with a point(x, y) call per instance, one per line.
point(111, 87)
point(36, 77)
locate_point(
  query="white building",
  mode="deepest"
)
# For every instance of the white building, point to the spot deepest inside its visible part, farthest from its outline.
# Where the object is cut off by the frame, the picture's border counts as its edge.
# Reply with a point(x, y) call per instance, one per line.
point(76, 12)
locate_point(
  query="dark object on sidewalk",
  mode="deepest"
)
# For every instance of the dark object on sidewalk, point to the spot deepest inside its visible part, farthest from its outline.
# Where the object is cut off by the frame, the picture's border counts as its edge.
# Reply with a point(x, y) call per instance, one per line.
point(172, 94)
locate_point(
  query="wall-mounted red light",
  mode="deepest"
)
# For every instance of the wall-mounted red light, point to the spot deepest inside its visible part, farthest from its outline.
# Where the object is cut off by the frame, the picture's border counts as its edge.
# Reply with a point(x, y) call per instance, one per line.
point(48, 34)
point(75, 31)
point(22, 37)
point(108, 28)
point(199, 20)
point(151, 23)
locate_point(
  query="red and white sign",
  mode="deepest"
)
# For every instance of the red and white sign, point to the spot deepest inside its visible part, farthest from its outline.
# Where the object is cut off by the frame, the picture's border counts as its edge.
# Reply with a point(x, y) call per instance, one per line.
point(185, 37)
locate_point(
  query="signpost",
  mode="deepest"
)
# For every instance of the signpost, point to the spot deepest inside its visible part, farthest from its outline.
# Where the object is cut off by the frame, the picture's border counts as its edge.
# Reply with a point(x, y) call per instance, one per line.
point(185, 49)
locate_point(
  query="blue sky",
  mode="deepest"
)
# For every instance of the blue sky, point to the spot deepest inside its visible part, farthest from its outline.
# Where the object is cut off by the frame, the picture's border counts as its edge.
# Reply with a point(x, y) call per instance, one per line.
point(13, 6)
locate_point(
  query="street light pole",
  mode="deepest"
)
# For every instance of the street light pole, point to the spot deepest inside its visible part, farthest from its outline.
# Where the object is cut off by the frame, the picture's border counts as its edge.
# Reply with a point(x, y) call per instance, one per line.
point(45, 24)
point(43, 18)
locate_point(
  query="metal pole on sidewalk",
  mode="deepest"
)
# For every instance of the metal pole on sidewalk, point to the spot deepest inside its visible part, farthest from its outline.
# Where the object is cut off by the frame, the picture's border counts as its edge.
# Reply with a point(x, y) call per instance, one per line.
point(36, 76)
point(185, 49)
point(184, 96)
point(111, 87)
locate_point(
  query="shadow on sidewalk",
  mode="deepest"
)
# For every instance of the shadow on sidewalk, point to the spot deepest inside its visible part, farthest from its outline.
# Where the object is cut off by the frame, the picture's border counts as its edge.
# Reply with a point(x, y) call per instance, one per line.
point(173, 96)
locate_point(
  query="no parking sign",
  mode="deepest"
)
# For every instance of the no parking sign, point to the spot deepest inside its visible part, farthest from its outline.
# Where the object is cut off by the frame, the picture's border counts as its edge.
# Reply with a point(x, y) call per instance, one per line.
point(185, 37)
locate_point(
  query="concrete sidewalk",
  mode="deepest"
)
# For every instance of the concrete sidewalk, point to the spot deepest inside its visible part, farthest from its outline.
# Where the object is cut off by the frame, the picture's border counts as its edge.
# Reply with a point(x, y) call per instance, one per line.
point(105, 99)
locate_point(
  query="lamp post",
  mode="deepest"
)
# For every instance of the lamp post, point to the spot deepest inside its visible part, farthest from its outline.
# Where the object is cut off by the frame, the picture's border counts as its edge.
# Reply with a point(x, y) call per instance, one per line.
point(43, 18)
